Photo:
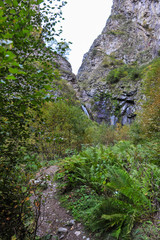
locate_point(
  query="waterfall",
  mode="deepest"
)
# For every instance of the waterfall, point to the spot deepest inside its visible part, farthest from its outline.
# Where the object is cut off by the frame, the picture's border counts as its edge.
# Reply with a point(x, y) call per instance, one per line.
point(85, 111)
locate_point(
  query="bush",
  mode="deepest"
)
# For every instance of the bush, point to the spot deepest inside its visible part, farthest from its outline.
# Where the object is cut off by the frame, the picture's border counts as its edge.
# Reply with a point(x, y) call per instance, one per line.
point(109, 135)
point(64, 129)
point(18, 217)
point(128, 72)
point(116, 75)
point(146, 231)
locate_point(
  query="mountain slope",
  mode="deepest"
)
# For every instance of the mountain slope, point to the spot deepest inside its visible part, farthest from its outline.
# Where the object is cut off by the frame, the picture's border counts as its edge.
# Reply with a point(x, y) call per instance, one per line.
point(130, 39)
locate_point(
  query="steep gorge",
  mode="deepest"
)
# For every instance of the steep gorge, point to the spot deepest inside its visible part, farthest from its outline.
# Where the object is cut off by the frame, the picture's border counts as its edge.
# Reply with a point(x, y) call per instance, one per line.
point(130, 39)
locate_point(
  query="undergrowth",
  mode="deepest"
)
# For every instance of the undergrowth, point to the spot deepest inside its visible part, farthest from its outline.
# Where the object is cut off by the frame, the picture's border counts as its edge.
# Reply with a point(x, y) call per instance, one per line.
point(111, 188)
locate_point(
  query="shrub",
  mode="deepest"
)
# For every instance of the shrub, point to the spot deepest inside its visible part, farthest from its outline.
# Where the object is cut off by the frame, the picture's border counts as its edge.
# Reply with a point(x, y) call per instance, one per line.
point(149, 116)
point(115, 75)
point(126, 71)
point(109, 135)
point(64, 129)
point(19, 218)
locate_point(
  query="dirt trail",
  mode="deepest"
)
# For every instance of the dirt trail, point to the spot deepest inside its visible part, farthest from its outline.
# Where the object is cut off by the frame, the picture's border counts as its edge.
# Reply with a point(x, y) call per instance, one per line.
point(54, 219)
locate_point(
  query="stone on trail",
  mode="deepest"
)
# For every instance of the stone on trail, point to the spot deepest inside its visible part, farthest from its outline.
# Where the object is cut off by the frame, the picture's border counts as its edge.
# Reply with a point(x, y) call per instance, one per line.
point(62, 230)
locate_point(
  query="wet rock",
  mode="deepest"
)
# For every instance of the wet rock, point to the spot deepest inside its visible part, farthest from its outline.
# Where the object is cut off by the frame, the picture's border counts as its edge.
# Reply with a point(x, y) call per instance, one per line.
point(123, 109)
point(114, 120)
point(124, 120)
point(132, 93)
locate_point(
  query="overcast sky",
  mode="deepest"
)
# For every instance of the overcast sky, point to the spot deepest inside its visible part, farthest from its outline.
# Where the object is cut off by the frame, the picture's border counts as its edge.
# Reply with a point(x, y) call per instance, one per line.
point(84, 21)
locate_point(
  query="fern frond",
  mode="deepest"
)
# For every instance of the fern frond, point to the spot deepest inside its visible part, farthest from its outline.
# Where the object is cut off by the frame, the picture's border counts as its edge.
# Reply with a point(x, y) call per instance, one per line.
point(116, 233)
point(124, 184)
point(114, 217)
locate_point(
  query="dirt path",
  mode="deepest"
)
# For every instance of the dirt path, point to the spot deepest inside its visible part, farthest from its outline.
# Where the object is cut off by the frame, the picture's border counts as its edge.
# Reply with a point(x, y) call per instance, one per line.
point(54, 219)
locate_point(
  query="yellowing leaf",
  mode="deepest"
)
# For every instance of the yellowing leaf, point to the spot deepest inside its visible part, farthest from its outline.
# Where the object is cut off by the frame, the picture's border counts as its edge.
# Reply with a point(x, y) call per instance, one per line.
point(13, 238)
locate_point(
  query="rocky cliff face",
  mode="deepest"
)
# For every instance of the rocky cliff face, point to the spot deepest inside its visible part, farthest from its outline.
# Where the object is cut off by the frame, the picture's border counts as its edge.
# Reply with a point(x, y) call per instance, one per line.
point(65, 70)
point(130, 38)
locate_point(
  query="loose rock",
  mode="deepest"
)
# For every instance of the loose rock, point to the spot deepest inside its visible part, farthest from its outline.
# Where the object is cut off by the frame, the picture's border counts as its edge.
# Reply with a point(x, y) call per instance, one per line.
point(70, 223)
point(77, 233)
point(62, 230)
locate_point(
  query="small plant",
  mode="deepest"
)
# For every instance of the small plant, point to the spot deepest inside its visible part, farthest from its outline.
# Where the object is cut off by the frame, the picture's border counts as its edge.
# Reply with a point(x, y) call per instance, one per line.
point(115, 75)
point(146, 231)
point(79, 201)
point(94, 52)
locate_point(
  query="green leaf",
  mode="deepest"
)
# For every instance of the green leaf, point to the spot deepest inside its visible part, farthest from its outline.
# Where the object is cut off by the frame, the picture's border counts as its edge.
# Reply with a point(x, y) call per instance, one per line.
point(39, 1)
point(24, 189)
point(113, 216)
point(1, 12)
point(15, 3)
point(10, 54)
point(12, 11)
point(16, 71)
point(116, 233)
point(8, 35)
point(10, 77)
point(13, 70)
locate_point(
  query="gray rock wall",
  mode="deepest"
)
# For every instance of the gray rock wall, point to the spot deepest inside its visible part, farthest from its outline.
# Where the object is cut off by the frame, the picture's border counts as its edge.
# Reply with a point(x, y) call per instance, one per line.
point(131, 36)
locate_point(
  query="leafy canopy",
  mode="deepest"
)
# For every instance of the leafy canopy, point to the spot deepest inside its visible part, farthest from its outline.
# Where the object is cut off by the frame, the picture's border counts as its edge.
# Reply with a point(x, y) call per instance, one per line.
point(26, 72)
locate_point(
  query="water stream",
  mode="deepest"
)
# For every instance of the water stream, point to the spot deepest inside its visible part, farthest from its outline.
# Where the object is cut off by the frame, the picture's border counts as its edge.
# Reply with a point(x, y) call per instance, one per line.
point(85, 111)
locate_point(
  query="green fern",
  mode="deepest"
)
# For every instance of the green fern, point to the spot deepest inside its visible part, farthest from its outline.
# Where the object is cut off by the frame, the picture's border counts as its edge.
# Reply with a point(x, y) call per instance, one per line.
point(126, 185)
point(127, 188)
point(114, 217)
point(118, 213)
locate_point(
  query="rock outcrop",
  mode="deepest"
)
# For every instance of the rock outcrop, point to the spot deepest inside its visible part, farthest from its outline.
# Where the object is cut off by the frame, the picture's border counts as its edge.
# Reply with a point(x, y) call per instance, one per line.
point(65, 70)
point(130, 38)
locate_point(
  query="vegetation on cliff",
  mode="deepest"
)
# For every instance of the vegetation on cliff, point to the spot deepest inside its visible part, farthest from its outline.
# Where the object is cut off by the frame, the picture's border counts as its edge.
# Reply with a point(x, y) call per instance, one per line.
point(150, 115)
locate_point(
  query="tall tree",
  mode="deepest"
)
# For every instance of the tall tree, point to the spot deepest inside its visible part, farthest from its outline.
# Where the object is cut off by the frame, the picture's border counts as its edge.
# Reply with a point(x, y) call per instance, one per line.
point(25, 78)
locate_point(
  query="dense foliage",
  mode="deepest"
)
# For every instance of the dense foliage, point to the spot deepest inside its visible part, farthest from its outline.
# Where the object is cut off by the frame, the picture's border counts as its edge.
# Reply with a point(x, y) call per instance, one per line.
point(129, 72)
point(150, 116)
point(63, 130)
point(25, 76)
point(121, 185)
